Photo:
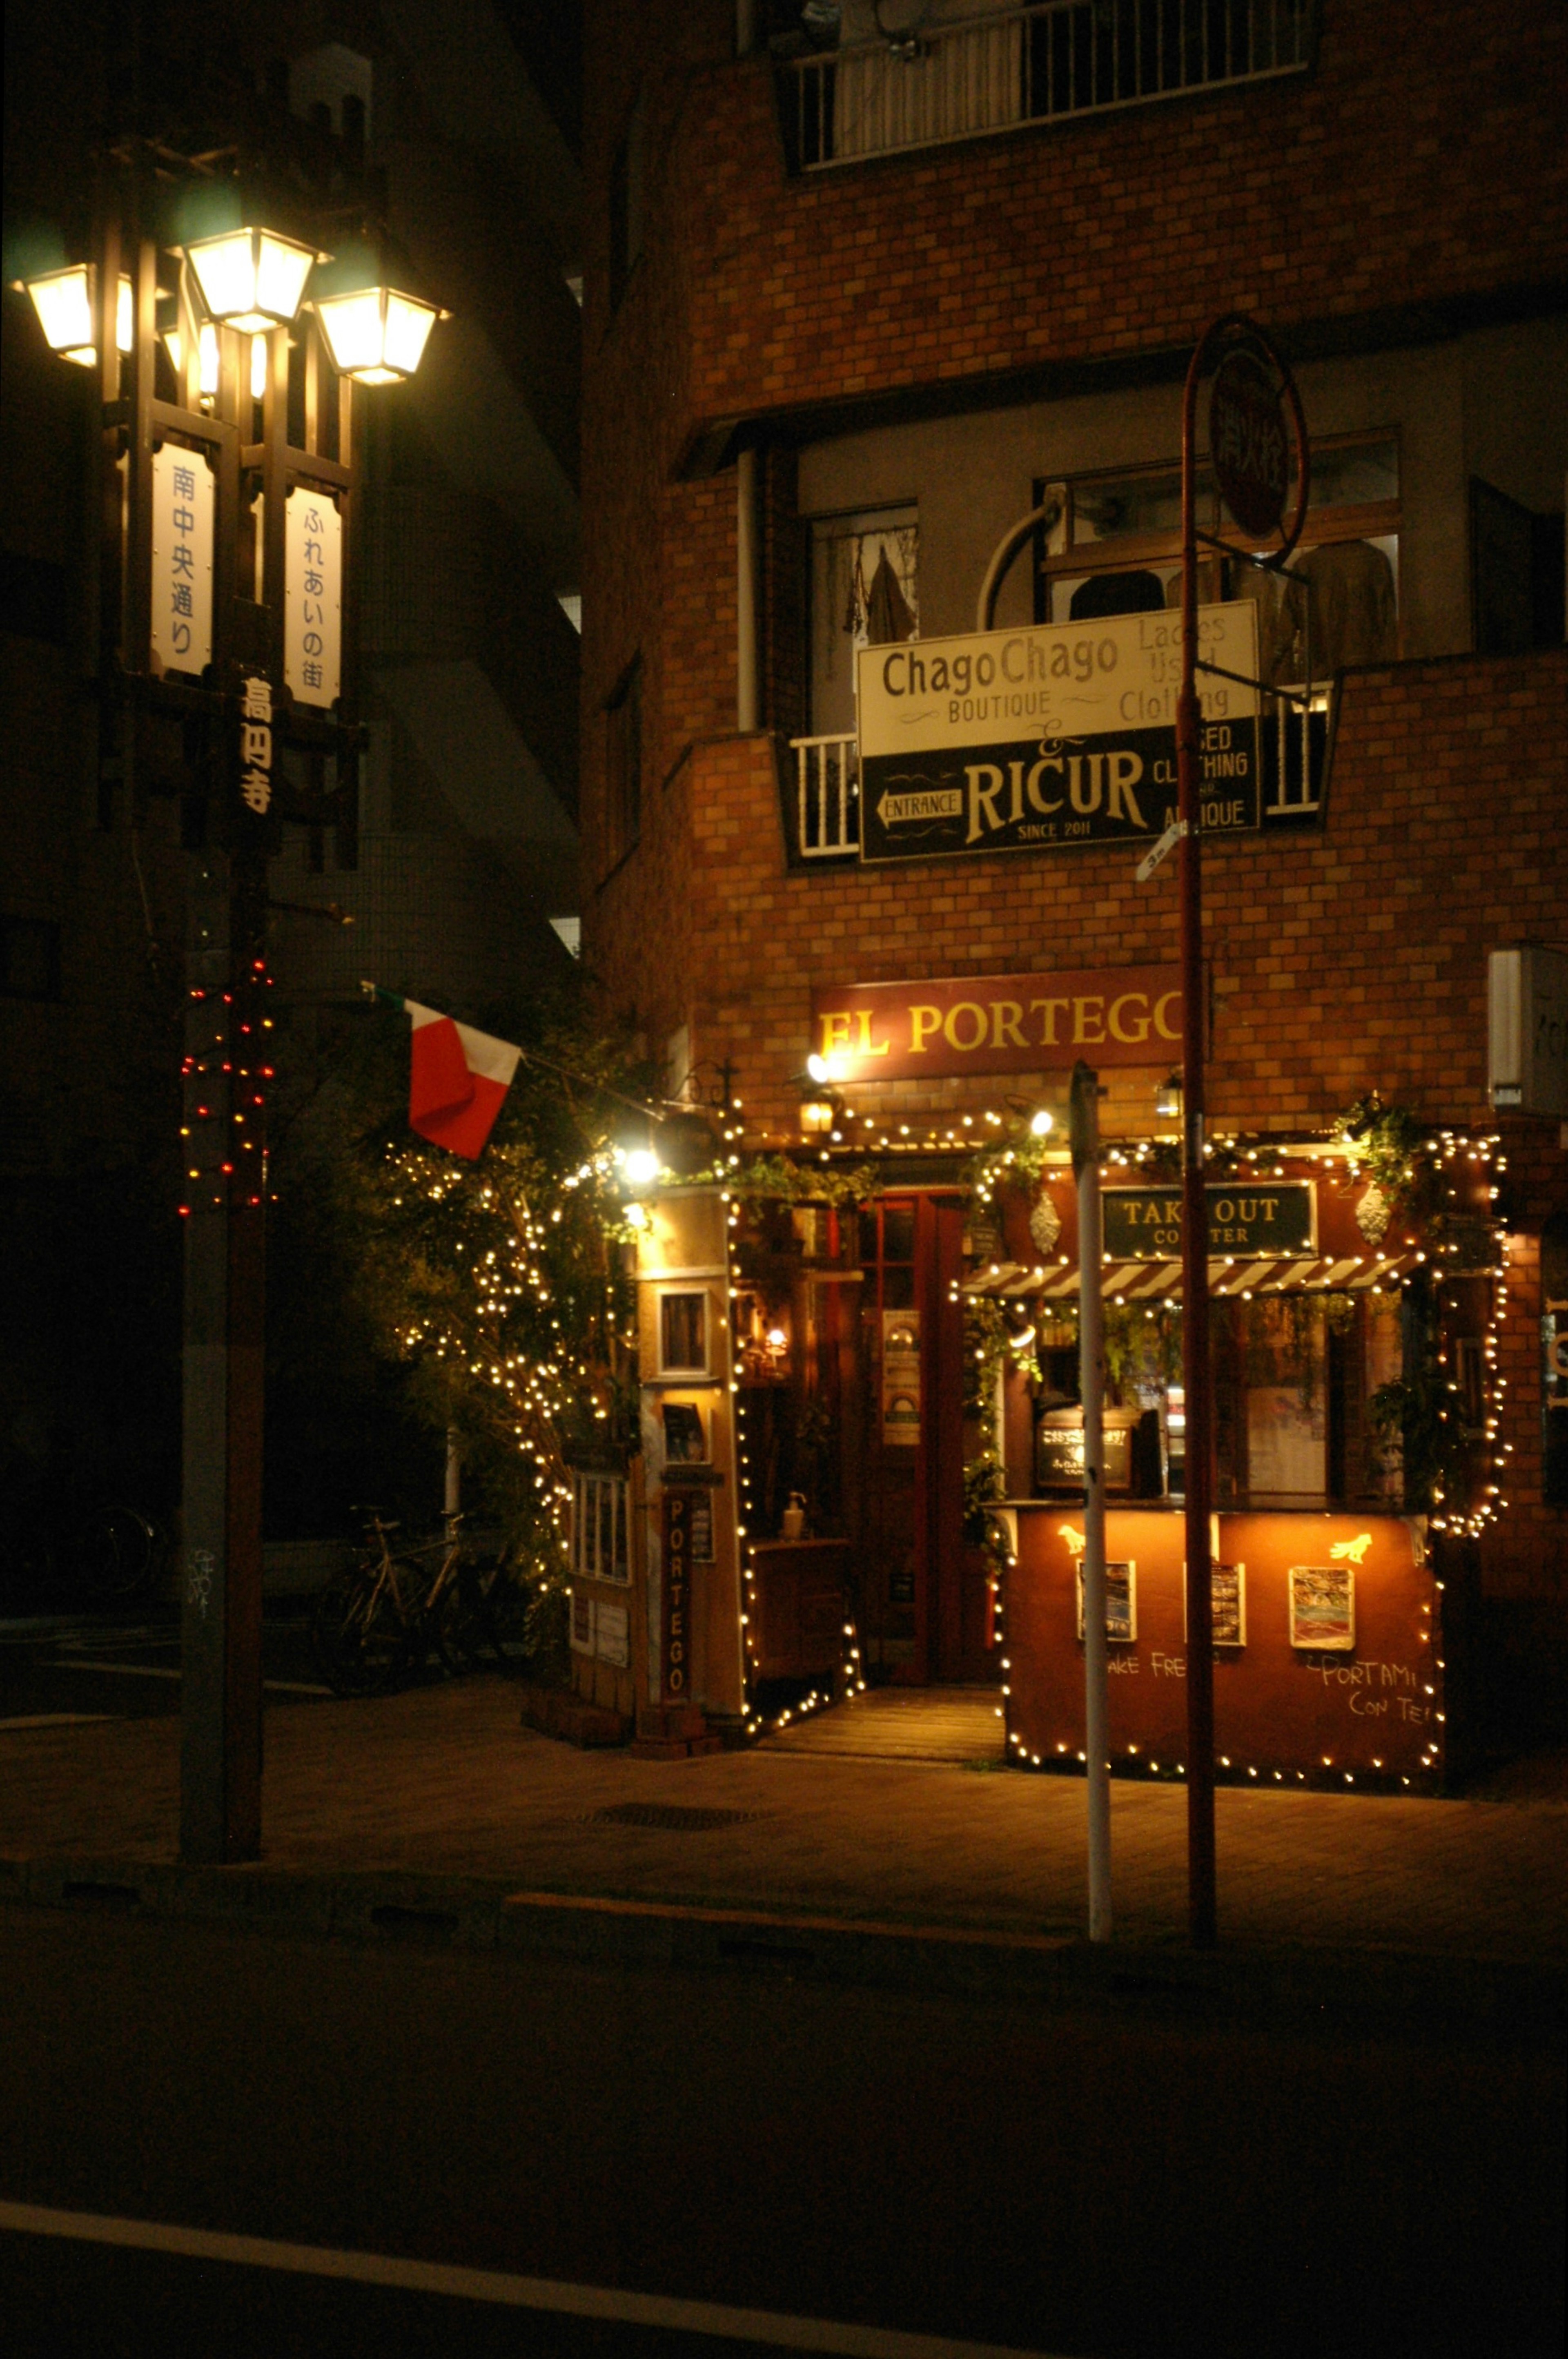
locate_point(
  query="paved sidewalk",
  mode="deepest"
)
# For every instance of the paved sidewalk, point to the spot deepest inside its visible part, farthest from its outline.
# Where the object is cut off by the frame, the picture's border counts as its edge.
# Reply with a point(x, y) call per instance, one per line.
point(443, 1782)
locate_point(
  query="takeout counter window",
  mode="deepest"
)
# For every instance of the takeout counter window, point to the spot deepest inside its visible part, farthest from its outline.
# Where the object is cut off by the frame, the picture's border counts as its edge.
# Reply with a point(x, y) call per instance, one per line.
point(1328, 1655)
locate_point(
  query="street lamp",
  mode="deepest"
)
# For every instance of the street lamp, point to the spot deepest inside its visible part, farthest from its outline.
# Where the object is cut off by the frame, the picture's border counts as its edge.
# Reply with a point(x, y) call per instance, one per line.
point(251, 279)
point(63, 300)
point(228, 522)
point(376, 336)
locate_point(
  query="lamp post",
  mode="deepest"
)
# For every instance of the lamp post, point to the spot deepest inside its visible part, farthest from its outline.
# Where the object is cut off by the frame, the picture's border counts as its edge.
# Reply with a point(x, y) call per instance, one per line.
point(228, 496)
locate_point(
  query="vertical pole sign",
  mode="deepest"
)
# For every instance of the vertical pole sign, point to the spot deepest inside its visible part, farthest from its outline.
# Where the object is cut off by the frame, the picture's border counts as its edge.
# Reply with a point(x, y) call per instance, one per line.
point(1248, 451)
point(674, 1651)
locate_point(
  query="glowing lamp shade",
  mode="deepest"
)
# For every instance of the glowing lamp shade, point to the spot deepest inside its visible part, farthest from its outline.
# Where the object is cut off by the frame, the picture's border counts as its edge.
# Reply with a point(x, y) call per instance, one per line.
point(206, 354)
point(63, 301)
point(251, 279)
point(377, 336)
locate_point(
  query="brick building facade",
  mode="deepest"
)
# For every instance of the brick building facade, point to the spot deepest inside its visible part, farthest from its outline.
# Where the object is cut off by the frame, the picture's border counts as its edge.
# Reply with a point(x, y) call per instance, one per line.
point(803, 343)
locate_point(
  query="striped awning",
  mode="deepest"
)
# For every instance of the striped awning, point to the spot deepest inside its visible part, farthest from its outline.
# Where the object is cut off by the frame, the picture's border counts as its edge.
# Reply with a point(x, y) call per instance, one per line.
point(1160, 1281)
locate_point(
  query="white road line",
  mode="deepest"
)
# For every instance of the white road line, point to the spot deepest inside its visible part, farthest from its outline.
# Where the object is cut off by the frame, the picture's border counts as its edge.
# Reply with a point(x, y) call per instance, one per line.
point(651, 2310)
point(58, 1720)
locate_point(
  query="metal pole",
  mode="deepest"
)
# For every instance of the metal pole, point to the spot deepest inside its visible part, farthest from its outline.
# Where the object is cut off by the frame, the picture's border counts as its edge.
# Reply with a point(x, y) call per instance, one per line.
point(220, 1699)
point(1091, 1366)
point(1201, 1896)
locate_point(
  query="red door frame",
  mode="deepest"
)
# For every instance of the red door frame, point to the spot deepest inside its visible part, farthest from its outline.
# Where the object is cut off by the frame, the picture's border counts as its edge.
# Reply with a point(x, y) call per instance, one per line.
point(939, 1462)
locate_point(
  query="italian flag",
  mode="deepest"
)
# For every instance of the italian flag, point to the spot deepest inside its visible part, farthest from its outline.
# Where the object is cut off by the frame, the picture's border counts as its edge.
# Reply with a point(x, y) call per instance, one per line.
point(456, 1079)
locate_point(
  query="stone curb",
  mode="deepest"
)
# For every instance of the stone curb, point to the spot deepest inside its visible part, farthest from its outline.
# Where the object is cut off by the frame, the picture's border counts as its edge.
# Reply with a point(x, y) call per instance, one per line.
point(1413, 1994)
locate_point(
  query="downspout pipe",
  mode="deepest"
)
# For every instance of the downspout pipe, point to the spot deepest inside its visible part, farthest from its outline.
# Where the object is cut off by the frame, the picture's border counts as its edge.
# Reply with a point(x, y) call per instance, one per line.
point(748, 592)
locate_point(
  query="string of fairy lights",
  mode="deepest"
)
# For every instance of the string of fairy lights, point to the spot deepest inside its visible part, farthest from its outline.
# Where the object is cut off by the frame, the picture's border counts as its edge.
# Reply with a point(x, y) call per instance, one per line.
point(518, 1327)
point(223, 1099)
point(851, 1679)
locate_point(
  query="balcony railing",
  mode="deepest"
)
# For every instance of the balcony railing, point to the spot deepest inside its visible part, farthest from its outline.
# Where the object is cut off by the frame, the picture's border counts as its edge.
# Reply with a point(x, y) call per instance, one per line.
point(994, 72)
point(827, 797)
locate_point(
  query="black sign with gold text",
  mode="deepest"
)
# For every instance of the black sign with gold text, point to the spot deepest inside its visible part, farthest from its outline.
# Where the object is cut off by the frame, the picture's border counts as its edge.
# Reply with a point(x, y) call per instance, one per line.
point(675, 1650)
point(1274, 1216)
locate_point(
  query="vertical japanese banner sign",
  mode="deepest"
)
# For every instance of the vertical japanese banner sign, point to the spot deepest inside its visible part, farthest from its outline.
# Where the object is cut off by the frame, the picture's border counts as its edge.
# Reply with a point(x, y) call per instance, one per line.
point(676, 1650)
point(900, 1377)
point(254, 749)
point(183, 507)
point(313, 600)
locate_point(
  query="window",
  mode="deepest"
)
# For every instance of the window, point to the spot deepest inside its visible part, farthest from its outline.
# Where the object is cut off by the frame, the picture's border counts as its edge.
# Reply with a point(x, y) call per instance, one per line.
point(1113, 547)
point(864, 593)
point(624, 763)
point(626, 195)
point(683, 1334)
point(599, 1544)
point(30, 958)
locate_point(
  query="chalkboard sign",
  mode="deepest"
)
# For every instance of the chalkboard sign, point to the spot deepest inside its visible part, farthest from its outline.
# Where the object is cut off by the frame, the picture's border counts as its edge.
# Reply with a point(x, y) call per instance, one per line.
point(1555, 1361)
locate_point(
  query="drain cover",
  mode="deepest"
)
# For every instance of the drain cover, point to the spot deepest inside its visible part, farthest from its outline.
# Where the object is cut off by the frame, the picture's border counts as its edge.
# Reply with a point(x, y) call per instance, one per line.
point(678, 1816)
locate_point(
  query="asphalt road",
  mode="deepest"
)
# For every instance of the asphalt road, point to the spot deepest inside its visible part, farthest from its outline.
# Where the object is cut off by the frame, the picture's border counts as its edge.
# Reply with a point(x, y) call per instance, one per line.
point(1148, 2174)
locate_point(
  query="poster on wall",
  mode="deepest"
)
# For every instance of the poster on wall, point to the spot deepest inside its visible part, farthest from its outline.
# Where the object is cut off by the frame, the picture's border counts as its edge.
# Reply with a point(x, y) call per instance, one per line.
point(582, 1622)
point(611, 1634)
point(1121, 1603)
point(1322, 1608)
point(1228, 1603)
point(900, 1377)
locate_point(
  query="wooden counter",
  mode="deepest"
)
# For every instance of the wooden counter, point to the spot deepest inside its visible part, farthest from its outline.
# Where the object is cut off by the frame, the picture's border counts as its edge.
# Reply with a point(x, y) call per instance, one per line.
point(797, 1607)
point(1365, 1704)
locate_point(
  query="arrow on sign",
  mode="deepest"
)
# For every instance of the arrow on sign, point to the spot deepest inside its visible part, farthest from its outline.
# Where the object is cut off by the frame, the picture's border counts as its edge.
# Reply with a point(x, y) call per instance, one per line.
point(1168, 843)
point(938, 802)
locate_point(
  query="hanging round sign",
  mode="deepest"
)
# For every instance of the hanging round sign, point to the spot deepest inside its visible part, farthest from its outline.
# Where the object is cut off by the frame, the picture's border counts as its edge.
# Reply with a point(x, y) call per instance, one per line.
point(1247, 443)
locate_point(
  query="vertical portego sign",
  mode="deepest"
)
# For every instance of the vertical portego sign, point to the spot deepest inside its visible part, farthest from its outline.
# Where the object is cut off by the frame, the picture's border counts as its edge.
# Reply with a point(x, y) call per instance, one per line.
point(676, 1650)
point(313, 602)
point(183, 506)
point(255, 745)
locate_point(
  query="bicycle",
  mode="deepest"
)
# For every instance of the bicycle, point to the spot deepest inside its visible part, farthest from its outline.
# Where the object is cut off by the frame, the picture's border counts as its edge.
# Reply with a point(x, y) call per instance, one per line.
point(382, 1619)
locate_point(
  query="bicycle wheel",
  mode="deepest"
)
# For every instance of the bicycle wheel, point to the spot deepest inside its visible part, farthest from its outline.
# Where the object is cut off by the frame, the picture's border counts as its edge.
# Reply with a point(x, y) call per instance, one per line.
point(116, 1552)
point(337, 1631)
point(461, 1620)
point(388, 1640)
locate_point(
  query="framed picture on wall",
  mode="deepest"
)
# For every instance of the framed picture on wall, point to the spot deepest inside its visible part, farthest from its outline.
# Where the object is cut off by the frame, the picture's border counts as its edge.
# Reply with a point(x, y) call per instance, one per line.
point(683, 1334)
point(1228, 1593)
point(1322, 1608)
point(1120, 1601)
point(684, 1441)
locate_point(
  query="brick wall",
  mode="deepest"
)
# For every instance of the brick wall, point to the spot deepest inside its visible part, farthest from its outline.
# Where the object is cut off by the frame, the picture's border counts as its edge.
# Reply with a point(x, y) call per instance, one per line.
point(1351, 958)
point(1420, 164)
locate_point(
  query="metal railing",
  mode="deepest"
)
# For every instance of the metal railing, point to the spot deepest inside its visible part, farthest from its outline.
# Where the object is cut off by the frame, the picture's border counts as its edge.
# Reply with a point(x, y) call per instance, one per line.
point(827, 797)
point(994, 72)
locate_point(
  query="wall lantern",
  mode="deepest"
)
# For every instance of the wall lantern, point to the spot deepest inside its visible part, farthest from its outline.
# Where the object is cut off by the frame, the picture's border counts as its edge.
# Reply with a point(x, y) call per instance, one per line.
point(816, 1115)
point(376, 336)
point(63, 301)
point(251, 279)
point(1168, 1098)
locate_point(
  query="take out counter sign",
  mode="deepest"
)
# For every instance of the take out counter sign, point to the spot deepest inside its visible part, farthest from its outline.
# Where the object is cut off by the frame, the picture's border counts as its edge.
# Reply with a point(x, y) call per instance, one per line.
point(1043, 739)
